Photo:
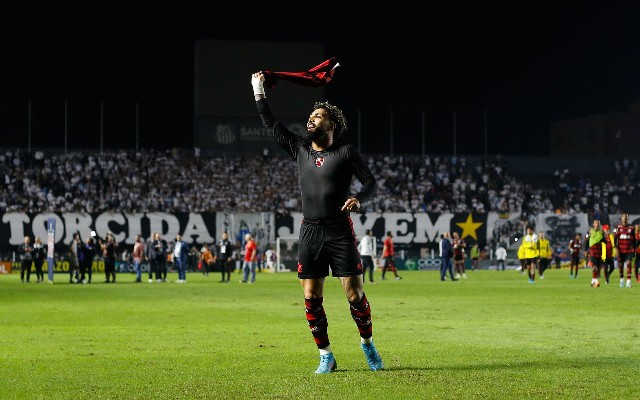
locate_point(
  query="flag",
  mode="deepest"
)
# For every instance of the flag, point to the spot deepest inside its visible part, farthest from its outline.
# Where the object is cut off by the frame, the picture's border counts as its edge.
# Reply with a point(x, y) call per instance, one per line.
point(51, 240)
point(319, 75)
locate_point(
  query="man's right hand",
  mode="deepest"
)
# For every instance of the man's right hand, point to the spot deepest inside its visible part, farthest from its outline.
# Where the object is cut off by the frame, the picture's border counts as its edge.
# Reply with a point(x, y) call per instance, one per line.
point(257, 81)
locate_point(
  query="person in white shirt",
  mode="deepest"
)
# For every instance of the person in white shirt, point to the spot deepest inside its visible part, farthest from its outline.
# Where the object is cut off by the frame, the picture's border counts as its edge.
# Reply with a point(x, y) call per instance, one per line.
point(366, 249)
point(501, 256)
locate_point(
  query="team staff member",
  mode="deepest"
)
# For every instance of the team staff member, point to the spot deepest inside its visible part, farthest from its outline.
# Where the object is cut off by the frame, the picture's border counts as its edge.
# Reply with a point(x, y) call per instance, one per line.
point(365, 247)
point(249, 260)
point(326, 167)
point(25, 251)
point(388, 255)
point(223, 259)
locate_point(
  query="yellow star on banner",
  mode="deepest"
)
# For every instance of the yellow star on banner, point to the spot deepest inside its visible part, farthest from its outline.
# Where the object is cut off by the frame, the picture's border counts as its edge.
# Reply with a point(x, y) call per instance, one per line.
point(469, 227)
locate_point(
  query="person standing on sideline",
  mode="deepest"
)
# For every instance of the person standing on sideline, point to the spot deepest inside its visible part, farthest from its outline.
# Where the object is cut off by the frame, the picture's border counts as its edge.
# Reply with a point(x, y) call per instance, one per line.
point(388, 257)
point(501, 257)
point(180, 256)
point(74, 264)
point(531, 252)
point(575, 247)
point(446, 254)
point(593, 242)
point(25, 251)
point(207, 258)
point(557, 255)
point(625, 242)
point(544, 247)
point(249, 261)
point(158, 262)
point(149, 254)
point(39, 255)
point(109, 254)
point(326, 167)
point(223, 259)
point(458, 256)
point(365, 247)
point(607, 253)
point(138, 257)
point(86, 254)
point(474, 254)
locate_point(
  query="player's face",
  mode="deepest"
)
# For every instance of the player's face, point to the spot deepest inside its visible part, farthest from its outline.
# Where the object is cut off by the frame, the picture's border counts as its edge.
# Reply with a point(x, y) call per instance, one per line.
point(318, 124)
point(625, 219)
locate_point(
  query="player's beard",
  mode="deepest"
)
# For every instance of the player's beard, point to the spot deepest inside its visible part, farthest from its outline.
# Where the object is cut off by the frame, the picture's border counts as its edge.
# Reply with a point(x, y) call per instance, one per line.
point(317, 134)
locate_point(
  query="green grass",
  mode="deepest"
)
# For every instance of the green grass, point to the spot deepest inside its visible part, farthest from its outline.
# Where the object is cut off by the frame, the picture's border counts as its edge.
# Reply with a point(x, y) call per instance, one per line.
point(490, 336)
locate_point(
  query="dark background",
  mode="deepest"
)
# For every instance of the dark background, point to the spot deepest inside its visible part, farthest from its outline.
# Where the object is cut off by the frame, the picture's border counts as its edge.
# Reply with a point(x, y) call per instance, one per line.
point(514, 67)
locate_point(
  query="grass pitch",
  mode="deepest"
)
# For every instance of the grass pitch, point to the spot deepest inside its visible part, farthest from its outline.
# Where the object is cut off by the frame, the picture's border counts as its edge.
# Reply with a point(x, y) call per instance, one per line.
point(491, 336)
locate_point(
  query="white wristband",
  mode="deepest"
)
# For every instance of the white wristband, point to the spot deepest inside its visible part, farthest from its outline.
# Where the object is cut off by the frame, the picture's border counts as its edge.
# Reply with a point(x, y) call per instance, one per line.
point(258, 86)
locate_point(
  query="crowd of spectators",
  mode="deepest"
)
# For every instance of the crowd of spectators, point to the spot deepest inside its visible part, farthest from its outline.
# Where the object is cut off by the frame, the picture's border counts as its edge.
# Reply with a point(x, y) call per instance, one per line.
point(176, 181)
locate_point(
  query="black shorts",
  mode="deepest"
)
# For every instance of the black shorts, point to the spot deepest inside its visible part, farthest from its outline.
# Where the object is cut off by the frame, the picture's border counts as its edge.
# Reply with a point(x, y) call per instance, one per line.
point(328, 244)
point(625, 257)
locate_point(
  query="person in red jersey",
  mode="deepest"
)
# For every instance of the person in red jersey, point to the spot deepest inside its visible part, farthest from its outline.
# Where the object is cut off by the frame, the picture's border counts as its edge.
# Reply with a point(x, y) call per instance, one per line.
point(326, 167)
point(593, 243)
point(625, 240)
point(458, 255)
point(388, 255)
point(575, 247)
